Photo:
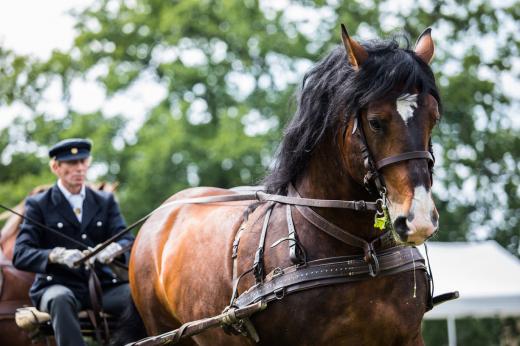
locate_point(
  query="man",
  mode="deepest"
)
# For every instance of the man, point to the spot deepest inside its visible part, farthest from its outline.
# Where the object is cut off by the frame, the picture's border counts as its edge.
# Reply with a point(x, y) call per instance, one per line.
point(88, 216)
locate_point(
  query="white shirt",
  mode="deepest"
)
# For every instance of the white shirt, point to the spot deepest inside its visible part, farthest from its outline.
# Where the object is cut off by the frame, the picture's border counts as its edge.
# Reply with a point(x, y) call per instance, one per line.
point(75, 200)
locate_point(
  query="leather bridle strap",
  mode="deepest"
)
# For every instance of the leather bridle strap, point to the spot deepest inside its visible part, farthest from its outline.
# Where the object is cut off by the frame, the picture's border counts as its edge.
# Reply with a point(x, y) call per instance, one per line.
point(411, 155)
point(96, 301)
point(373, 169)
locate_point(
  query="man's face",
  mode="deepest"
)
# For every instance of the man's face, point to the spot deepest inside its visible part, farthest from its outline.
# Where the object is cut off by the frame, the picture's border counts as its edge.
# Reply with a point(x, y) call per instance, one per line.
point(72, 173)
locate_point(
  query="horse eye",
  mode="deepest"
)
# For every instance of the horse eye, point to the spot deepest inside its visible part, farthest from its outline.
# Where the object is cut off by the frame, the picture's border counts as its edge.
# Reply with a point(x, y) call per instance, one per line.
point(375, 125)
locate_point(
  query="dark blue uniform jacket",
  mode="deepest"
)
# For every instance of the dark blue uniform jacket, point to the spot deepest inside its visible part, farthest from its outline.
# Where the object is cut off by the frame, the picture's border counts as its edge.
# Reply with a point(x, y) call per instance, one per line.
point(101, 219)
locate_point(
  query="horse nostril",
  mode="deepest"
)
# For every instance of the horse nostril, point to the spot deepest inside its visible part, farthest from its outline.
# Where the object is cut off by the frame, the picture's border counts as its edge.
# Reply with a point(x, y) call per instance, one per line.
point(400, 227)
point(435, 218)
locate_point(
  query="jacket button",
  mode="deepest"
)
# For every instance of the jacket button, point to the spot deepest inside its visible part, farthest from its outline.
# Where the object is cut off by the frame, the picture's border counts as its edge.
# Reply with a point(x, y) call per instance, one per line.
point(99, 223)
point(49, 278)
point(114, 280)
point(83, 236)
point(60, 225)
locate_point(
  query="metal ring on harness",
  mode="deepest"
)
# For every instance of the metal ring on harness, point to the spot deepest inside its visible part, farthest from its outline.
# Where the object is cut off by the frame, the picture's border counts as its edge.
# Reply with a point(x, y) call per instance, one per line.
point(279, 293)
point(380, 206)
point(373, 260)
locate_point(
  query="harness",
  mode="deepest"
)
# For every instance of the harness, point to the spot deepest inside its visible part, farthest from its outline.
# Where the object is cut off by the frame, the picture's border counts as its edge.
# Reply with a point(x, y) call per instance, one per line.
point(304, 275)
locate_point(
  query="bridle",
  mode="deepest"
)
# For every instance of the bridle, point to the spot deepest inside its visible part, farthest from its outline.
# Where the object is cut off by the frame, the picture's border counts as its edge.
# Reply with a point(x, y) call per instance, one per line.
point(373, 177)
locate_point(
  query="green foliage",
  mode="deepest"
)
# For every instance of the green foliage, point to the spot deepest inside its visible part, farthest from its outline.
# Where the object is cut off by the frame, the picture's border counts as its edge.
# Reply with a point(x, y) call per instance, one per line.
point(472, 332)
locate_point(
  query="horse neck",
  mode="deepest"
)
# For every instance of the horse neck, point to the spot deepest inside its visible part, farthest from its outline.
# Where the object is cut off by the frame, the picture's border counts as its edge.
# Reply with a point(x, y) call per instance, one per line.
point(326, 177)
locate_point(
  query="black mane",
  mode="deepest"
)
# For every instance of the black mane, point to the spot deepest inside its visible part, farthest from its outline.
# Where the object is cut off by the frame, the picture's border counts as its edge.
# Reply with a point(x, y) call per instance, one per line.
point(332, 91)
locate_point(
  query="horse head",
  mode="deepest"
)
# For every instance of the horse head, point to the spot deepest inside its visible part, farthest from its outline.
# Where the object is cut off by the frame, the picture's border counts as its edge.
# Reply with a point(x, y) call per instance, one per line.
point(362, 131)
point(394, 108)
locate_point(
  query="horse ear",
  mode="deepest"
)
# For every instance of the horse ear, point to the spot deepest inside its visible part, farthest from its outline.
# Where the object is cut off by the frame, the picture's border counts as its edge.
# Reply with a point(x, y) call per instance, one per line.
point(356, 54)
point(424, 47)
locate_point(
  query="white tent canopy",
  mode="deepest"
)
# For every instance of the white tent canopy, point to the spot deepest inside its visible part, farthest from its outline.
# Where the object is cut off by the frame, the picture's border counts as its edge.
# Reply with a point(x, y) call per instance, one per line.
point(485, 274)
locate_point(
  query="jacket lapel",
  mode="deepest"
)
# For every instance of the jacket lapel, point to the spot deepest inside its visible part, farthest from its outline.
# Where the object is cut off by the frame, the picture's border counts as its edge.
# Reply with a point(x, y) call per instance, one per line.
point(90, 208)
point(62, 206)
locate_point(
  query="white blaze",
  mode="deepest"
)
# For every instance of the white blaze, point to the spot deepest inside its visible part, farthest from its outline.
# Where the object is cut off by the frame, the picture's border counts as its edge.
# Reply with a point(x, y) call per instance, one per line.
point(406, 105)
point(422, 205)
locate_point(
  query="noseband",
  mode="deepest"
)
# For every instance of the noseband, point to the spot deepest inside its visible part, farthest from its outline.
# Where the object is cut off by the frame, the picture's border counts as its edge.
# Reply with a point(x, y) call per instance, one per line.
point(373, 176)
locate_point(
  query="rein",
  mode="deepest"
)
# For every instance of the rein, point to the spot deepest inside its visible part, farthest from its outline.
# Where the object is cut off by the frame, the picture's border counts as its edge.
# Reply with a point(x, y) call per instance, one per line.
point(64, 236)
point(258, 196)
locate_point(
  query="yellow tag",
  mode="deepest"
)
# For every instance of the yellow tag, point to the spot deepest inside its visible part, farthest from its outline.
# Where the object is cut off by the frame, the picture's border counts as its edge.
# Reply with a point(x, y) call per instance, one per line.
point(74, 151)
point(380, 222)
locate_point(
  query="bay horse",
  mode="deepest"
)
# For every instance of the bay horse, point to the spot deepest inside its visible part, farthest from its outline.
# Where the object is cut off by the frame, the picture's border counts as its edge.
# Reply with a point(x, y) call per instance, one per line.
point(361, 132)
point(14, 283)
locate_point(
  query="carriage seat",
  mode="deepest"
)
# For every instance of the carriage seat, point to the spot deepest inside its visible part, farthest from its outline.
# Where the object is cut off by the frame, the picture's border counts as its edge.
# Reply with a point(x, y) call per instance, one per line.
point(31, 319)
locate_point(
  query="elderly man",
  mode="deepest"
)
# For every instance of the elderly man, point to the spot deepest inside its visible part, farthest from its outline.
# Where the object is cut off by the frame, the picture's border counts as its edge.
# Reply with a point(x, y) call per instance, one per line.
point(88, 216)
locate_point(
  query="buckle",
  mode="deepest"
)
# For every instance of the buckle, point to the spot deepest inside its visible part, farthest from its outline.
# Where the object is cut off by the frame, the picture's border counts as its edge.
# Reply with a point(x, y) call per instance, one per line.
point(234, 254)
point(360, 205)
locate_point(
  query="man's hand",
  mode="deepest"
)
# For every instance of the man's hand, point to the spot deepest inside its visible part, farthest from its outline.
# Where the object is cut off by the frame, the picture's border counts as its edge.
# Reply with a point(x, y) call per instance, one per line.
point(87, 252)
point(107, 254)
point(64, 256)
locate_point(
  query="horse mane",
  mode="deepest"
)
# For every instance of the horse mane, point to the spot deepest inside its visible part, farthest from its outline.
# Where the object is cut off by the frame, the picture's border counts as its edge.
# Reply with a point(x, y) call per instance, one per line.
point(332, 91)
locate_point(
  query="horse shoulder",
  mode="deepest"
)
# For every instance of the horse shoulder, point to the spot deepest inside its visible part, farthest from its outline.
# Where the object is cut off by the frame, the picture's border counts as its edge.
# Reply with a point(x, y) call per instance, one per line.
point(185, 250)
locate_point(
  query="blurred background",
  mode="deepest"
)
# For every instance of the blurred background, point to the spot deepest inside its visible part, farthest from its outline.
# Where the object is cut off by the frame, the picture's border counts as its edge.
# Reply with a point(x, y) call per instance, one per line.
point(187, 93)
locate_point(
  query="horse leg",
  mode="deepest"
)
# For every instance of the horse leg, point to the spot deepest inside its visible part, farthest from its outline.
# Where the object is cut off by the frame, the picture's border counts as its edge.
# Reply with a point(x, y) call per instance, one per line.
point(159, 321)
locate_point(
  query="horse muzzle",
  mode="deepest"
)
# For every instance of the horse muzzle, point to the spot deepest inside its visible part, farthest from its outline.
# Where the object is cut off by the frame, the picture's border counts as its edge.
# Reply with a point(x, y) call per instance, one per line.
point(419, 222)
point(414, 232)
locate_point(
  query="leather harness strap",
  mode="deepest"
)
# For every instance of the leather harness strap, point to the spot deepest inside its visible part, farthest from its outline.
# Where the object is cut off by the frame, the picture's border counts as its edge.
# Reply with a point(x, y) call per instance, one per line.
point(339, 233)
point(328, 271)
point(331, 229)
point(96, 315)
point(295, 254)
point(265, 197)
point(258, 265)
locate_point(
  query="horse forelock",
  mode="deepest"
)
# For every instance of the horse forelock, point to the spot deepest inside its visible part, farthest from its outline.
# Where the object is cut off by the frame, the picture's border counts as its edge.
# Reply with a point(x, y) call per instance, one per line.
point(332, 91)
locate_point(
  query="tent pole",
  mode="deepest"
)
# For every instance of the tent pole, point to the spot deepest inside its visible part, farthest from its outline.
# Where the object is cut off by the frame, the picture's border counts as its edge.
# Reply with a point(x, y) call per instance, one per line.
point(452, 331)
